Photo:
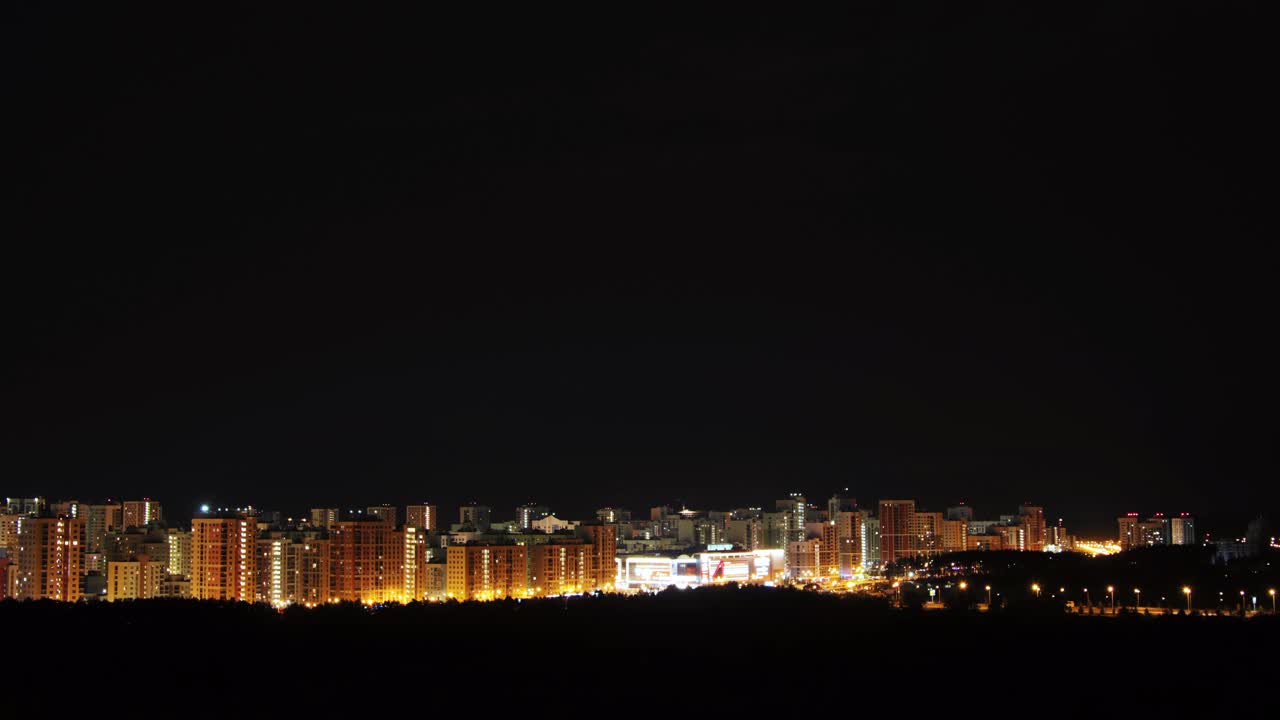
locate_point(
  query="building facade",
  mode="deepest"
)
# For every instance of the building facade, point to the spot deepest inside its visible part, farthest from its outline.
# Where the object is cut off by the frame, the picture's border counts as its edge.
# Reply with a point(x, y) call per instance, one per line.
point(423, 517)
point(1032, 520)
point(365, 561)
point(137, 513)
point(223, 558)
point(560, 568)
point(139, 579)
point(897, 526)
point(602, 538)
point(487, 572)
point(325, 517)
point(179, 542)
point(50, 553)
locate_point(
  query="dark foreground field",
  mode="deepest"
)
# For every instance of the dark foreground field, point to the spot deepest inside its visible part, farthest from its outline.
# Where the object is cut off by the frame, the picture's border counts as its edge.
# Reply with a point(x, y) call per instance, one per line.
point(706, 651)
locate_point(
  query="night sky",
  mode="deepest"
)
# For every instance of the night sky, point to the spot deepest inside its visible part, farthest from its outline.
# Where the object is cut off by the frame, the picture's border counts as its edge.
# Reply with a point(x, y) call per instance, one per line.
point(917, 250)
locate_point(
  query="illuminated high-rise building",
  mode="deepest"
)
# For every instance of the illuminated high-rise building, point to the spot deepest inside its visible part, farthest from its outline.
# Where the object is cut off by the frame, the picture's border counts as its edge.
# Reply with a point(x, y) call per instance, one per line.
point(829, 549)
point(926, 527)
point(1128, 531)
point(527, 514)
point(849, 536)
point(487, 572)
point(560, 568)
point(870, 539)
point(137, 513)
point(1032, 518)
point(5, 565)
point(775, 529)
point(179, 552)
point(804, 559)
point(602, 539)
point(424, 517)
point(699, 531)
point(1155, 530)
point(9, 523)
point(1182, 530)
point(365, 561)
point(223, 558)
point(747, 533)
point(293, 568)
point(794, 510)
point(324, 517)
point(434, 584)
point(418, 554)
point(50, 553)
point(138, 579)
point(1056, 536)
point(383, 512)
point(1012, 537)
point(897, 539)
point(955, 535)
point(98, 521)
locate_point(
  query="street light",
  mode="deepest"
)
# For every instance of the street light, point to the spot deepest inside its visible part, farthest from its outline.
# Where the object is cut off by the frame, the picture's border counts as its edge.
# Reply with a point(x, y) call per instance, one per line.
point(988, 597)
point(1272, 593)
point(1242, 603)
point(1111, 590)
point(1035, 588)
point(1086, 601)
point(964, 585)
point(1187, 591)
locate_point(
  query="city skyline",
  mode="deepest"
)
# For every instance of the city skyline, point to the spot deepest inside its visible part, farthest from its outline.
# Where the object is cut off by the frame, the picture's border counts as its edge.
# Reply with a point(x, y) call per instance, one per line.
point(73, 551)
point(444, 359)
point(1097, 524)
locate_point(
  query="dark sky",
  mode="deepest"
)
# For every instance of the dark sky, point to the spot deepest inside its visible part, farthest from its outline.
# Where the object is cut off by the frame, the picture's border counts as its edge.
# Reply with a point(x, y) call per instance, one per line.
point(987, 254)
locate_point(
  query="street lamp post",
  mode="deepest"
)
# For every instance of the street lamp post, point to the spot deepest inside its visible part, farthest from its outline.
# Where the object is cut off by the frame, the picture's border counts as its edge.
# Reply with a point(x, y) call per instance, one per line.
point(1035, 588)
point(1241, 603)
point(1111, 590)
point(1187, 591)
point(988, 597)
point(1137, 598)
point(1088, 604)
point(1272, 593)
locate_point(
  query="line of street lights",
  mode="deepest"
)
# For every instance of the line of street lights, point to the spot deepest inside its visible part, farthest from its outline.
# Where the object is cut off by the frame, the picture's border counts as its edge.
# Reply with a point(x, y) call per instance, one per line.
point(1137, 594)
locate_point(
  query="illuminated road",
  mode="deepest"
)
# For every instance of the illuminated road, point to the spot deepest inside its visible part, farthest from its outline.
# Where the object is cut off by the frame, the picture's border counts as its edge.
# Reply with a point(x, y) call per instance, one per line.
point(1096, 548)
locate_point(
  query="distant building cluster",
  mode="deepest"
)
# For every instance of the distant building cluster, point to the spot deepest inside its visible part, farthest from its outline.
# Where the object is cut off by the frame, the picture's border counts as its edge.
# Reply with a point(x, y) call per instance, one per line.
point(1159, 529)
point(113, 551)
